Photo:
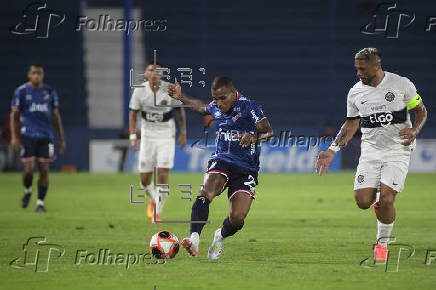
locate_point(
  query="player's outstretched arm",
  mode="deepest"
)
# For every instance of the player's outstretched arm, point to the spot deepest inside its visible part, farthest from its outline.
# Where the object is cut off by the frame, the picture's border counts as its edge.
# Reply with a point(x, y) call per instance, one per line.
point(347, 132)
point(409, 134)
point(57, 121)
point(175, 92)
point(181, 121)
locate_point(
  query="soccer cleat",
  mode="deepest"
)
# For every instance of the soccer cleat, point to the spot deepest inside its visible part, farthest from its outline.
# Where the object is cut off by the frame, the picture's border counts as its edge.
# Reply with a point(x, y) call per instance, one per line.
point(40, 208)
point(191, 244)
point(216, 248)
point(150, 209)
point(376, 206)
point(380, 253)
point(153, 221)
point(25, 200)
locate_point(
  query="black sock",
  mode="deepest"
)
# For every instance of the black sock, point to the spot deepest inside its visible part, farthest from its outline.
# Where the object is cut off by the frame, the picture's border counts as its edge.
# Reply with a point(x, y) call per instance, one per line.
point(200, 212)
point(27, 182)
point(228, 229)
point(42, 191)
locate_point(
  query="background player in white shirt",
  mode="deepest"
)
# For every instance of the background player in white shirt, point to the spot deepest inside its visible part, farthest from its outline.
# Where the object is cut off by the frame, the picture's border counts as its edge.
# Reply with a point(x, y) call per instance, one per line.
point(380, 102)
point(157, 133)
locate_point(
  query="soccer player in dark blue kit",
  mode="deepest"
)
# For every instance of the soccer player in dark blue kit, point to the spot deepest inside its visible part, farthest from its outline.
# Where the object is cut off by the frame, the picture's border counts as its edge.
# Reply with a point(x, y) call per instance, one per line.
point(240, 126)
point(36, 105)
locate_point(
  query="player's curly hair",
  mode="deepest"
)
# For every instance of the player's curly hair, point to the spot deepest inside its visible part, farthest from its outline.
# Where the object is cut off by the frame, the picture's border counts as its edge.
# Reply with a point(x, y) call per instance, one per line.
point(369, 54)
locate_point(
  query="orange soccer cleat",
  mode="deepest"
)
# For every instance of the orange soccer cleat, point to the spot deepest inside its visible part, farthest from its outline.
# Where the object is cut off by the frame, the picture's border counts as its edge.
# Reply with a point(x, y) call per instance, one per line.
point(150, 209)
point(153, 221)
point(380, 253)
point(190, 246)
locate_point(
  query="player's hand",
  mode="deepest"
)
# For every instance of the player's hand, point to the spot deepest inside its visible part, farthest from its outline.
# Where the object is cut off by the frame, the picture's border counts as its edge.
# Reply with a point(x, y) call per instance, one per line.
point(246, 139)
point(409, 135)
point(181, 140)
point(134, 144)
point(174, 90)
point(15, 142)
point(323, 162)
point(63, 146)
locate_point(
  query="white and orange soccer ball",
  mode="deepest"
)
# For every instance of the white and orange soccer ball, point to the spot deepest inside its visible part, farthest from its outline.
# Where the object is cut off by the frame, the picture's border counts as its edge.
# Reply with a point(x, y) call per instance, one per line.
point(164, 245)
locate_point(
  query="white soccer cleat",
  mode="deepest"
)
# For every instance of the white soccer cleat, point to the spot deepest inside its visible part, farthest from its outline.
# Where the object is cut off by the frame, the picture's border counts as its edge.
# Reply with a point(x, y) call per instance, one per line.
point(191, 244)
point(216, 248)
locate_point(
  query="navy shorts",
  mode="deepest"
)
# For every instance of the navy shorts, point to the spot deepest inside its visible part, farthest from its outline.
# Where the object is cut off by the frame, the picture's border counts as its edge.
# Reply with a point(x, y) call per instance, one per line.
point(41, 148)
point(237, 178)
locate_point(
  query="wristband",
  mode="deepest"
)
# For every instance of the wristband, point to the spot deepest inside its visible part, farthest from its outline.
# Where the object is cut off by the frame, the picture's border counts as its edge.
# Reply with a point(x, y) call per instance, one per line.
point(132, 137)
point(335, 148)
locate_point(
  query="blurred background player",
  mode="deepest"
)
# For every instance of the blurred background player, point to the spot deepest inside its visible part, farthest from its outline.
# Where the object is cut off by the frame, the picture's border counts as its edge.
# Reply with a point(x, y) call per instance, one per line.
point(240, 125)
point(157, 133)
point(381, 102)
point(36, 104)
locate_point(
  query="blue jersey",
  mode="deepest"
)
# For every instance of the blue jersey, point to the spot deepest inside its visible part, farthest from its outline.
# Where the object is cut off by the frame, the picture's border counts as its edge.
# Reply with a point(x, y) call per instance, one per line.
point(35, 106)
point(241, 118)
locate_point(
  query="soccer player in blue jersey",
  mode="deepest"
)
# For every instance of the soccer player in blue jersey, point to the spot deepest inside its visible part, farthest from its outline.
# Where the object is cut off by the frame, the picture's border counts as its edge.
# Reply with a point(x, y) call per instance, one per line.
point(240, 126)
point(36, 105)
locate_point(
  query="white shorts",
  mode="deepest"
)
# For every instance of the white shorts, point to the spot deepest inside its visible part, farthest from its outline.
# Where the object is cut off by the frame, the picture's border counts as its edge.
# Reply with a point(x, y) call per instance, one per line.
point(382, 166)
point(156, 152)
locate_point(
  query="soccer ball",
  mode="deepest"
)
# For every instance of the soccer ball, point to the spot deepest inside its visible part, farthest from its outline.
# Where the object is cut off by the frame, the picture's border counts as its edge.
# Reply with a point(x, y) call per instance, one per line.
point(164, 245)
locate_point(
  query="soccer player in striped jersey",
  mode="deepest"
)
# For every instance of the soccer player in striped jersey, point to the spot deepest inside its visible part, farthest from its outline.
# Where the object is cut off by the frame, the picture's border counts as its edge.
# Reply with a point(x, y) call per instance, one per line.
point(380, 102)
point(37, 105)
point(240, 126)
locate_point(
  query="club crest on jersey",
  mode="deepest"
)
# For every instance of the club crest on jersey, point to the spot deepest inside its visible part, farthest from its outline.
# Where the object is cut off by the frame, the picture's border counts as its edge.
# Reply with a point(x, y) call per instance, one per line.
point(236, 117)
point(217, 114)
point(46, 97)
point(389, 97)
point(28, 97)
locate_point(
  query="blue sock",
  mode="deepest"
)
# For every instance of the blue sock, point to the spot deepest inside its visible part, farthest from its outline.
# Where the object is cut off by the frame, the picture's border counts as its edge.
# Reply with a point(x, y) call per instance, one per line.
point(228, 229)
point(200, 212)
point(42, 191)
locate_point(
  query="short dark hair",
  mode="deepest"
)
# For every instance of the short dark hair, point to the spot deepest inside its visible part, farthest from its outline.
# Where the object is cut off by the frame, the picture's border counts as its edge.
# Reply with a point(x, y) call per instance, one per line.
point(369, 54)
point(36, 64)
point(151, 62)
point(222, 81)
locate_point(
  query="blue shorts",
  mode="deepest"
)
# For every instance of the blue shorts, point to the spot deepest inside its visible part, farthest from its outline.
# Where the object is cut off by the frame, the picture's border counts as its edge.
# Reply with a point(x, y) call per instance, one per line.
point(41, 148)
point(237, 178)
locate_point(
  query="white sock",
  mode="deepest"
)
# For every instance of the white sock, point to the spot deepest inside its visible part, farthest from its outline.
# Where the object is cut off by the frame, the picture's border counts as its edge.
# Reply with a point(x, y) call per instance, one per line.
point(149, 189)
point(383, 233)
point(39, 202)
point(28, 190)
point(163, 199)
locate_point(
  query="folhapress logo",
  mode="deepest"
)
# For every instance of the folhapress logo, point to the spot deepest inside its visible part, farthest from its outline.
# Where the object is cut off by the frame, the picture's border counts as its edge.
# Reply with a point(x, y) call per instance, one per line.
point(38, 253)
point(38, 20)
point(388, 20)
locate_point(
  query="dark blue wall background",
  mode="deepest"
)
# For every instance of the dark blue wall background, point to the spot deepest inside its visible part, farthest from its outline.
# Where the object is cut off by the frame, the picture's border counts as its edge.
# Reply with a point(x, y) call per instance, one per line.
point(293, 57)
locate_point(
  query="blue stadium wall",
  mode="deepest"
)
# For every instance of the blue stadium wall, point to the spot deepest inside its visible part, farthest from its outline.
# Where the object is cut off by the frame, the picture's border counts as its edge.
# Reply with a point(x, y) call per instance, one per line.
point(293, 57)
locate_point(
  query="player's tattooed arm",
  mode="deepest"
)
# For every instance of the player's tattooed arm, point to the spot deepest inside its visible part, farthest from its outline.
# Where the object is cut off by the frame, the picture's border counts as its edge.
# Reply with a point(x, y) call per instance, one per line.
point(175, 92)
point(409, 134)
point(57, 121)
point(264, 133)
point(14, 119)
point(181, 121)
point(347, 132)
point(325, 157)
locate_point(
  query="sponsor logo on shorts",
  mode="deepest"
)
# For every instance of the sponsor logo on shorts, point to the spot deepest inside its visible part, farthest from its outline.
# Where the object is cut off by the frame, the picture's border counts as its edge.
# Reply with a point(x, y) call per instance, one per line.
point(360, 178)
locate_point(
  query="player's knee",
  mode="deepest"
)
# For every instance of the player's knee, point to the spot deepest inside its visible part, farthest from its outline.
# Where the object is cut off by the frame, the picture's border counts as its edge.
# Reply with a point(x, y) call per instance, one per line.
point(363, 203)
point(386, 200)
point(209, 194)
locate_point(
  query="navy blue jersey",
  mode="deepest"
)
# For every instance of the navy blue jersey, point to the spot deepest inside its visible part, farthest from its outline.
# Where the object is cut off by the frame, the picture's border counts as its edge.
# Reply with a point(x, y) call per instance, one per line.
point(241, 118)
point(36, 106)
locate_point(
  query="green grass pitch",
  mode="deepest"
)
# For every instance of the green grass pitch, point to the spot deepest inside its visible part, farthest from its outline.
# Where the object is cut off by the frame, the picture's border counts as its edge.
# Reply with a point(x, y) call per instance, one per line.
point(303, 232)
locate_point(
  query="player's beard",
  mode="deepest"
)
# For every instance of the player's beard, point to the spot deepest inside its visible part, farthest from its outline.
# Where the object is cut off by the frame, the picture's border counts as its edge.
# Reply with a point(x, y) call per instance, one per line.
point(368, 80)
